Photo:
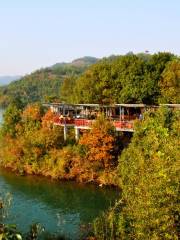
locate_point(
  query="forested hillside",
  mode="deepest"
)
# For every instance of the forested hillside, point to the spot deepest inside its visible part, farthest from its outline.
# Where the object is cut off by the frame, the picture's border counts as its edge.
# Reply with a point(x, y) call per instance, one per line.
point(144, 165)
point(140, 78)
point(44, 84)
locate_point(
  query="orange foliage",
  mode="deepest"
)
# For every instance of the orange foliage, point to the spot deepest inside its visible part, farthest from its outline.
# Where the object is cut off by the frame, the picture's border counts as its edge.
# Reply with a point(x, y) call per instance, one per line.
point(99, 145)
point(32, 112)
point(47, 119)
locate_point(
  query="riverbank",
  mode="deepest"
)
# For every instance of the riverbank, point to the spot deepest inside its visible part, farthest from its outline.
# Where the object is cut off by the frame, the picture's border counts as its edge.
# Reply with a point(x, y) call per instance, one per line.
point(31, 144)
point(103, 181)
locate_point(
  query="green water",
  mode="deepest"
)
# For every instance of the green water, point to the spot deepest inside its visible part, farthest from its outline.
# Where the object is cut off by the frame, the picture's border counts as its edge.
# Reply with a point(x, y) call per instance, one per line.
point(61, 207)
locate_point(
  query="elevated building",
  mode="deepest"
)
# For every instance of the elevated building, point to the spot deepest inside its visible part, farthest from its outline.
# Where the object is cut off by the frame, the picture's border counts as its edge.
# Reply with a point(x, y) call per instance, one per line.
point(82, 116)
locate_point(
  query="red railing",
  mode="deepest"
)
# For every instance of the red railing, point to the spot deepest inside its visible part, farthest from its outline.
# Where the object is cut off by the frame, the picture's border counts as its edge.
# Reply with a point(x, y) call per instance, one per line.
point(117, 124)
point(128, 117)
point(88, 123)
point(59, 121)
point(83, 122)
point(123, 124)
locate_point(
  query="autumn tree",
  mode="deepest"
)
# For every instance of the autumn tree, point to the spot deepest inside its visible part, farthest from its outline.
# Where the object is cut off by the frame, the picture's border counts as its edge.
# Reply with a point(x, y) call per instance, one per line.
point(98, 143)
point(47, 119)
point(30, 138)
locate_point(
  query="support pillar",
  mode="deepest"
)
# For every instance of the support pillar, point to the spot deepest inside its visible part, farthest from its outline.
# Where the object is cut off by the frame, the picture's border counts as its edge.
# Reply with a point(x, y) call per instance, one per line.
point(76, 133)
point(75, 112)
point(120, 113)
point(106, 112)
point(65, 132)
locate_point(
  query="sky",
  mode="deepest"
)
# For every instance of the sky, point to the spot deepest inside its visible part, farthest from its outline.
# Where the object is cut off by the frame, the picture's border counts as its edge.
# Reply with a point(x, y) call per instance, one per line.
point(40, 33)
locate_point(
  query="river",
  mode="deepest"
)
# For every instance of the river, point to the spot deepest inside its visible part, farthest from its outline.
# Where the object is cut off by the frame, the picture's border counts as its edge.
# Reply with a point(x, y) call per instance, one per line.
point(62, 208)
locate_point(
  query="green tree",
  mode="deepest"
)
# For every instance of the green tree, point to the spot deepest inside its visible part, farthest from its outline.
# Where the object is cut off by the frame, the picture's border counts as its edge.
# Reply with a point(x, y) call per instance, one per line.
point(170, 83)
point(12, 117)
point(128, 79)
point(94, 86)
point(67, 89)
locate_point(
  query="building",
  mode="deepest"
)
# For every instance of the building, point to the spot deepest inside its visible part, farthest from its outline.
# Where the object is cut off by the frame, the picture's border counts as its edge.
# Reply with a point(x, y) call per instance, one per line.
point(82, 116)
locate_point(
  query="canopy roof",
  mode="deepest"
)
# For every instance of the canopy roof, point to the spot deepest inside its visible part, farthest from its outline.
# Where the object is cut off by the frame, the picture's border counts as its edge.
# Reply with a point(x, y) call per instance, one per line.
point(93, 105)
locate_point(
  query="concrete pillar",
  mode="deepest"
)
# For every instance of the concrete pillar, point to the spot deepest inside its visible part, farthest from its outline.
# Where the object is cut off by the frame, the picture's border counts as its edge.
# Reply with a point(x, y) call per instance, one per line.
point(65, 132)
point(75, 112)
point(76, 133)
point(106, 112)
point(120, 113)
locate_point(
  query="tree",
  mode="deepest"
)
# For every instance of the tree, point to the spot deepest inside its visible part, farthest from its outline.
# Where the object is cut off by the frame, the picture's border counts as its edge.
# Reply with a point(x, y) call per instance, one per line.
point(99, 143)
point(32, 112)
point(66, 91)
point(155, 67)
point(29, 139)
point(170, 83)
point(94, 86)
point(126, 79)
point(12, 117)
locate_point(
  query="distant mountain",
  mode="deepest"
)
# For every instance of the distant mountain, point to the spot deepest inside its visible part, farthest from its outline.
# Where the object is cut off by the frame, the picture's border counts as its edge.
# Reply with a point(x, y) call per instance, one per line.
point(79, 62)
point(4, 80)
point(86, 61)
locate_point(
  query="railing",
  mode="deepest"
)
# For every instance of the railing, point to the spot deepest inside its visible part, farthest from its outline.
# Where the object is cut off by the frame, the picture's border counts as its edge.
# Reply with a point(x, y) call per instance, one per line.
point(124, 124)
point(59, 121)
point(88, 123)
point(117, 124)
point(128, 117)
point(83, 122)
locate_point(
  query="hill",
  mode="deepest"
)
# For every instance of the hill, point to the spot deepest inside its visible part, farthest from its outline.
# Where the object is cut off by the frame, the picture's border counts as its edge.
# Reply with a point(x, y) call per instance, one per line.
point(44, 84)
point(130, 78)
point(86, 61)
point(79, 62)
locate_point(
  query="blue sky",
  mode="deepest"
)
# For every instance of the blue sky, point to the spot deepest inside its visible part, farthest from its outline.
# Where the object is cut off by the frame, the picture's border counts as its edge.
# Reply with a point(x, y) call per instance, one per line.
point(39, 33)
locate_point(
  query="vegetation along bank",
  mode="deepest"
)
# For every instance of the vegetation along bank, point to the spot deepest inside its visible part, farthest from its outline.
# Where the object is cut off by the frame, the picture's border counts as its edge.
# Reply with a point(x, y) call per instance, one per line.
point(145, 165)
